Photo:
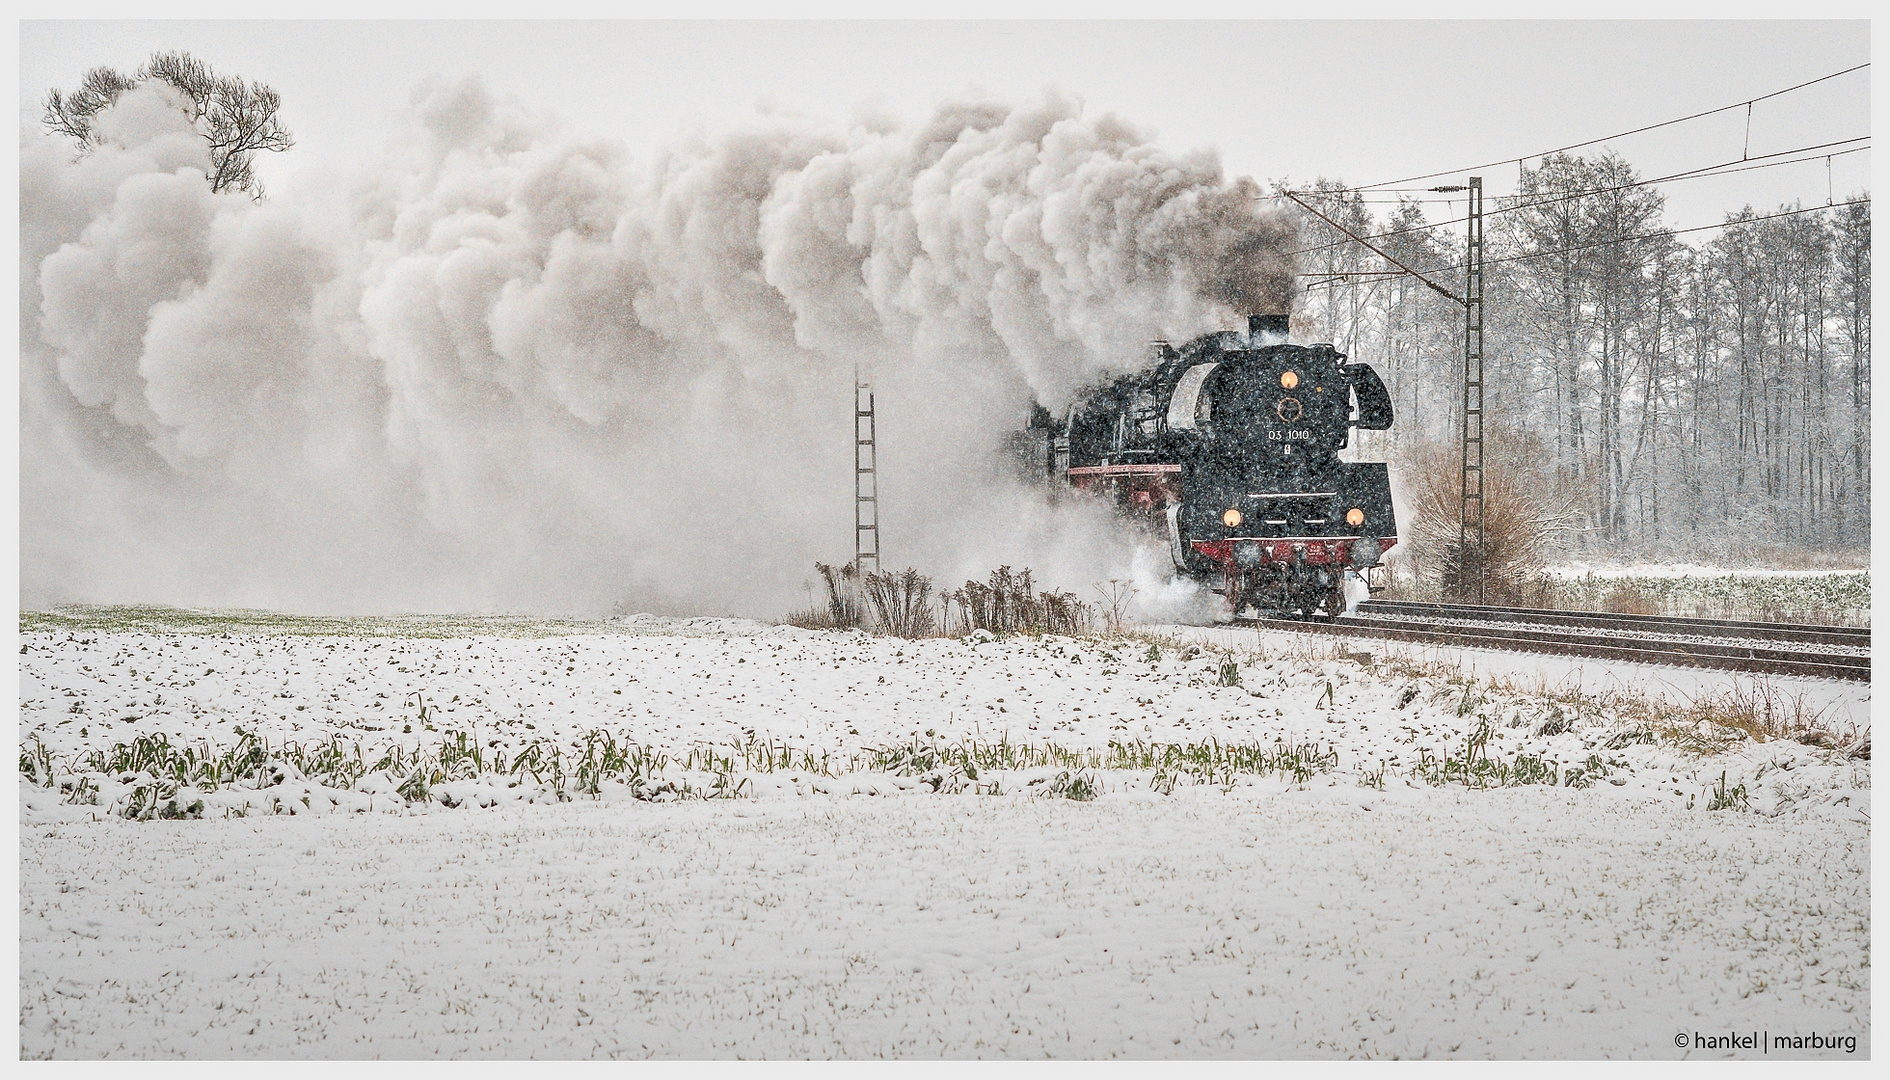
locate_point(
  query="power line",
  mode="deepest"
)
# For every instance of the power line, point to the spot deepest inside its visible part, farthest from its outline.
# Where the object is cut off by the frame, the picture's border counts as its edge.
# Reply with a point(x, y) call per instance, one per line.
point(1380, 252)
point(1395, 202)
point(1747, 104)
point(1601, 244)
point(1725, 168)
point(1728, 166)
point(1675, 232)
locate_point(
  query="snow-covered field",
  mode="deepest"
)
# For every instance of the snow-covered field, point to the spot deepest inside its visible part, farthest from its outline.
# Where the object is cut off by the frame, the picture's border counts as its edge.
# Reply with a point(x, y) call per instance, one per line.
point(1330, 858)
point(1817, 596)
point(1577, 569)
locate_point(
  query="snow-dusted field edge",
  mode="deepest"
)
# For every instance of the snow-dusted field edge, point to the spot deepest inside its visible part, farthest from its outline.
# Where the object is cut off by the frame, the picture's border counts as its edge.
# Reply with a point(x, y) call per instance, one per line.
point(1257, 914)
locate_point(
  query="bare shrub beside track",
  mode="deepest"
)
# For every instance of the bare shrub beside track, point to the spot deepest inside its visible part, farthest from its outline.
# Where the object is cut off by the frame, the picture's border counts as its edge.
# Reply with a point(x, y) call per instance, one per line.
point(1524, 519)
point(889, 602)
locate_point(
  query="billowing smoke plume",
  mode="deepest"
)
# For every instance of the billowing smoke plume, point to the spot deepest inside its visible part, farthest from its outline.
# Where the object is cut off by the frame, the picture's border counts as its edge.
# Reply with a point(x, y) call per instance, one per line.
point(502, 368)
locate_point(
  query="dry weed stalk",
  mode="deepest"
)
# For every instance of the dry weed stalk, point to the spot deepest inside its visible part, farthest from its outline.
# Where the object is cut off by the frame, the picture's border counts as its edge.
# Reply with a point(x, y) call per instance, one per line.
point(1116, 594)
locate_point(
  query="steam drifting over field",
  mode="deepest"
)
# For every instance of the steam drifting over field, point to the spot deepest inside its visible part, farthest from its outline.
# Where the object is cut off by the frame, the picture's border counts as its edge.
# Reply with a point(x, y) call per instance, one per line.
point(497, 366)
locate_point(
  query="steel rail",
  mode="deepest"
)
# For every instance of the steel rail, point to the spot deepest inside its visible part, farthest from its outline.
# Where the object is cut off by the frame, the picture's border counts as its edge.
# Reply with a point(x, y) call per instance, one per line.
point(1671, 624)
point(1681, 654)
point(1690, 648)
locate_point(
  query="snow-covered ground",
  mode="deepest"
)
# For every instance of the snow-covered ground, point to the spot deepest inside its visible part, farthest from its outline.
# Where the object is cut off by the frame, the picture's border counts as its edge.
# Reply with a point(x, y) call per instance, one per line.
point(1838, 705)
point(1680, 570)
point(895, 906)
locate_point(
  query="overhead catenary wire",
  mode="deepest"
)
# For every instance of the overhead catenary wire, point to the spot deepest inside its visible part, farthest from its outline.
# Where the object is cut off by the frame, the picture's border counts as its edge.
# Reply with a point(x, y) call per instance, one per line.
point(1380, 252)
point(1725, 168)
point(1746, 104)
point(1616, 241)
point(1657, 234)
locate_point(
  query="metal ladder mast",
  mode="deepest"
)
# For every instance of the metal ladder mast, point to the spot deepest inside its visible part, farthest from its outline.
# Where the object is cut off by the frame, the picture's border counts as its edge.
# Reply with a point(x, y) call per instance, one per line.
point(865, 477)
point(1470, 519)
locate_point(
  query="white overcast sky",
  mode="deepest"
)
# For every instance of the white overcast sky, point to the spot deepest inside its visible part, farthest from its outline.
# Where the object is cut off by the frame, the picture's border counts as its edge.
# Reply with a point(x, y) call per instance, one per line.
point(1366, 101)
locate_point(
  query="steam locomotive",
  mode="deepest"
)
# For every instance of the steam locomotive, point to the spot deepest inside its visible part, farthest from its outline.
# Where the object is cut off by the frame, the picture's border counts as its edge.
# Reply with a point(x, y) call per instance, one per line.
point(1228, 447)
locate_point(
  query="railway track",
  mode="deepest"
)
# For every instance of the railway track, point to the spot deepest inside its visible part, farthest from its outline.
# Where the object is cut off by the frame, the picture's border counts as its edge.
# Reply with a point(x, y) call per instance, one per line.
point(1832, 652)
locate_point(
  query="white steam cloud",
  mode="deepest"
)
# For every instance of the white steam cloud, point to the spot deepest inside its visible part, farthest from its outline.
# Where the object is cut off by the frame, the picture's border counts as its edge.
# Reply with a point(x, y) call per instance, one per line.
point(503, 369)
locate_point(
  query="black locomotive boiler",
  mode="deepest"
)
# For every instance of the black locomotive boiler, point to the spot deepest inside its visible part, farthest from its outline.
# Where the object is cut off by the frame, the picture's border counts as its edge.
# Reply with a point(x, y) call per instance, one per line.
point(1229, 447)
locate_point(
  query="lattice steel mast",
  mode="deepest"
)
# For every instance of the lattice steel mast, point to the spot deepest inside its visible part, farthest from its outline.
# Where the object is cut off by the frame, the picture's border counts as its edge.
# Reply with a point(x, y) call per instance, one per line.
point(1472, 568)
point(1470, 550)
point(865, 477)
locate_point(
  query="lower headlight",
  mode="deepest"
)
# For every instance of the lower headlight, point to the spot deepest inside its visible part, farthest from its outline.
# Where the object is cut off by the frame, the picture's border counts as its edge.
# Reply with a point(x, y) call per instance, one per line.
point(1247, 553)
point(1231, 519)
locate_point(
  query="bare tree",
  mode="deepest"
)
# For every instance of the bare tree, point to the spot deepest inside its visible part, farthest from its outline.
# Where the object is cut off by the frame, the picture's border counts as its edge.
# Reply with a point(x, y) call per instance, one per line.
point(235, 117)
point(72, 115)
point(1851, 244)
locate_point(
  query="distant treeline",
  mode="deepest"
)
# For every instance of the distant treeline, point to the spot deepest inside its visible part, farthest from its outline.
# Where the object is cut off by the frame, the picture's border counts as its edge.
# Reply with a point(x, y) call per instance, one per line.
point(1684, 398)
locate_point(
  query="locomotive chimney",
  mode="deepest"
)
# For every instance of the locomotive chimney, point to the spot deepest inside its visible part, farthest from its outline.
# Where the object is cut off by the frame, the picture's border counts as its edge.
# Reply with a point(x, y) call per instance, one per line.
point(1267, 326)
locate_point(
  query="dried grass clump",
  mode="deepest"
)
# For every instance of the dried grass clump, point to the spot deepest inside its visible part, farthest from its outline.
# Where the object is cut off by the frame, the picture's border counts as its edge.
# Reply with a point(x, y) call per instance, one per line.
point(889, 602)
point(1524, 520)
point(901, 602)
point(1764, 712)
point(1009, 604)
point(845, 608)
point(1629, 598)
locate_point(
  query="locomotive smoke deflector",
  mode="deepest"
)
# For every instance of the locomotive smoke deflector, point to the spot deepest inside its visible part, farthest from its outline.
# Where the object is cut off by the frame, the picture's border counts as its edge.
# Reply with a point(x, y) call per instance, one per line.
point(1374, 401)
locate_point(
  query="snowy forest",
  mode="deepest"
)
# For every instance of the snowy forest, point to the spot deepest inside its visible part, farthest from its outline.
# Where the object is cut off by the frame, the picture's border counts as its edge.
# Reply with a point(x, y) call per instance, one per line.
point(1673, 396)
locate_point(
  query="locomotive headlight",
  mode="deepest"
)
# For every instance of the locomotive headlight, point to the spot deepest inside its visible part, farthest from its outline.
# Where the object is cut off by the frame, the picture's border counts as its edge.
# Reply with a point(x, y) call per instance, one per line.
point(1289, 379)
point(1355, 517)
point(1231, 519)
point(1247, 553)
